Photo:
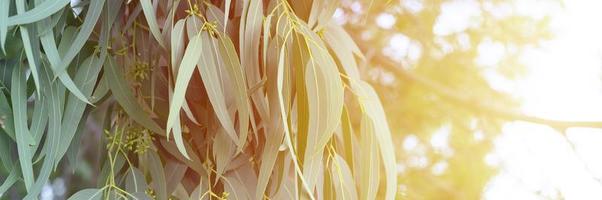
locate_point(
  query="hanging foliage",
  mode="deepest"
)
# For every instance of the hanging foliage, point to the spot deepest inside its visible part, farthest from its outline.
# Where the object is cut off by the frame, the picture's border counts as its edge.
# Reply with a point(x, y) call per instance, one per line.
point(193, 99)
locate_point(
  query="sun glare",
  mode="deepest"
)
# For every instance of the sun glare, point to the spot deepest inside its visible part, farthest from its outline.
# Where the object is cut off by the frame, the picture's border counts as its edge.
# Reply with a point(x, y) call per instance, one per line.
point(563, 83)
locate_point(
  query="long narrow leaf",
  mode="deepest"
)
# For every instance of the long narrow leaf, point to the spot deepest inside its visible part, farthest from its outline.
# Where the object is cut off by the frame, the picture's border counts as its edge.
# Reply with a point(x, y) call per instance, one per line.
point(4, 8)
point(94, 11)
point(24, 139)
point(40, 12)
point(123, 95)
point(151, 19)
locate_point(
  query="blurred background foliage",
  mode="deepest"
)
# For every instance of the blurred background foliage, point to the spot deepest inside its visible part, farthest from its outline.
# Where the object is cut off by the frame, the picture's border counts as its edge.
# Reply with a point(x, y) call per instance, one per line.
point(441, 143)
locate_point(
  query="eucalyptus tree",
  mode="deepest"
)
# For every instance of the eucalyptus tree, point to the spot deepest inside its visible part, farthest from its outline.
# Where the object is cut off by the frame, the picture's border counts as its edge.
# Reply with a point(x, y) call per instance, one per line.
point(189, 100)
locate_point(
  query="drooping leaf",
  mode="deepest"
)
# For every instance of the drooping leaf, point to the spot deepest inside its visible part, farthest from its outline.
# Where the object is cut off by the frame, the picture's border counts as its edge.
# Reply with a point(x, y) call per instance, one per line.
point(40, 12)
point(157, 174)
point(10, 180)
point(151, 19)
point(342, 179)
point(121, 91)
point(135, 181)
point(94, 11)
point(54, 101)
point(236, 73)
point(4, 12)
point(208, 67)
point(374, 111)
point(87, 194)
point(174, 173)
point(30, 46)
point(49, 45)
point(189, 61)
point(23, 137)
point(86, 78)
point(6, 116)
point(249, 38)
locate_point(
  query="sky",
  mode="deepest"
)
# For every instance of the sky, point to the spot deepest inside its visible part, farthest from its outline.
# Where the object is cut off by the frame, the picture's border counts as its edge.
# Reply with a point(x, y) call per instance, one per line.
point(564, 83)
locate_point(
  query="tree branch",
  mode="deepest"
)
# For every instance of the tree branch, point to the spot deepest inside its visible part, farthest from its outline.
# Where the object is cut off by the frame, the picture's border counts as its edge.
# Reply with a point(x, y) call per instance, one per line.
point(471, 103)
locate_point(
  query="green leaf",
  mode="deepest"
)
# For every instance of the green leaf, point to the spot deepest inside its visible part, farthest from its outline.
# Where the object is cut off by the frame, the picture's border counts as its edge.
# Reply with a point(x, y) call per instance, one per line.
point(30, 47)
point(12, 178)
point(134, 181)
point(191, 57)
point(6, 152)
point(54, 100)
point(49, 45)
point(39, 119)
point(121, 91)
point(87, 194)
point(177, 44)
point(157, 174)
point(24, 139)
point(86, 78)
point(151, 19)
point(6, 115)
point(74, 147)
point(4, 12)
point(92, 15)
point(177, 51)
point(40, 12)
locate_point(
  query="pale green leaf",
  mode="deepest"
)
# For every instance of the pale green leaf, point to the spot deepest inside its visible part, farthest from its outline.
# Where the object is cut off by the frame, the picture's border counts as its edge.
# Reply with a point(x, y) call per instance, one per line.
point(86, 79)
point(369, 172)
point(92, 15)
point(4, 12)
point(342, 179)
point(157, 174)
point(223, 151)
point(151, 19)
point(40, 12)
point(121, 91)
point(227, 14)
point(10, 180)
point(373, 109)
point(289, 143)
point(87, 194)
point(249, 38)
point(134, 181)
point(23, 137)
point(54, 101)
point(30, 44)
point(191, 57)
point(236, 73)
point(208, 67)
point(6, 114)
point(49, 45)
